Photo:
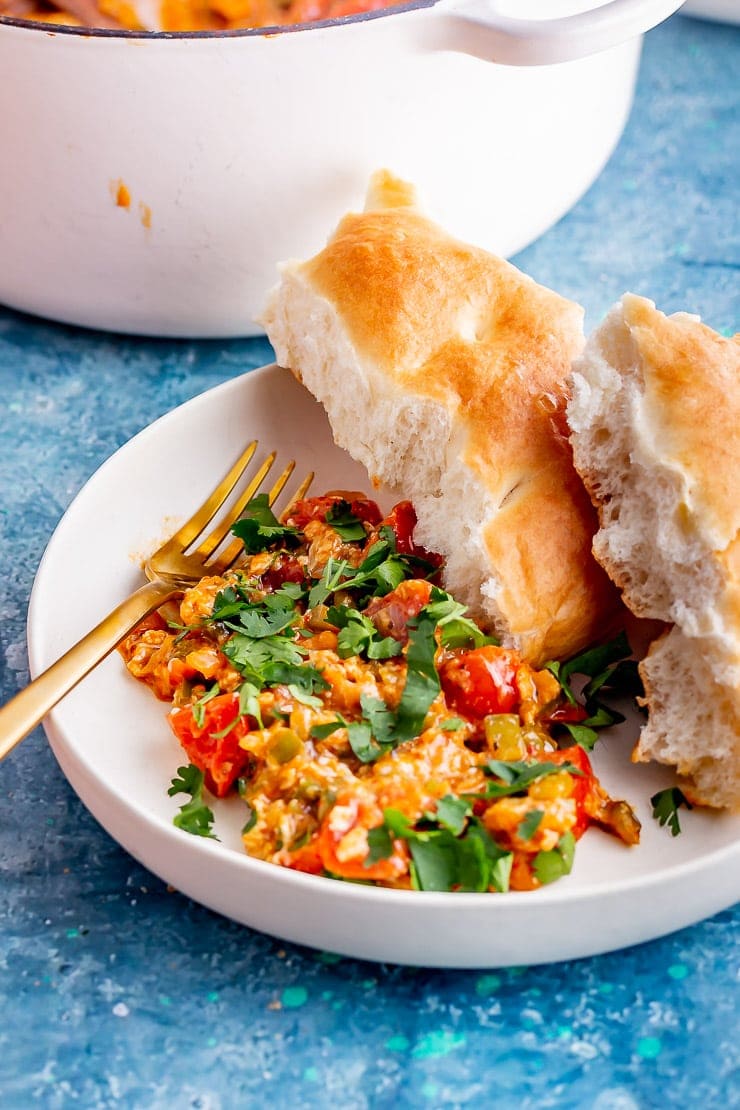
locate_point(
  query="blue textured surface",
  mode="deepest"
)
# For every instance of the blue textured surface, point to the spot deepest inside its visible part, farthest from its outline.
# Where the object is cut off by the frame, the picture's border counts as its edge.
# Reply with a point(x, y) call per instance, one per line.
point(114, 991)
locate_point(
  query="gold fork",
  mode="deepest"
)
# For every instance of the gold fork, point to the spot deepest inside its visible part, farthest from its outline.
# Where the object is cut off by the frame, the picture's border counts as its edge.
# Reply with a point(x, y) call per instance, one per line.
point(174, 567)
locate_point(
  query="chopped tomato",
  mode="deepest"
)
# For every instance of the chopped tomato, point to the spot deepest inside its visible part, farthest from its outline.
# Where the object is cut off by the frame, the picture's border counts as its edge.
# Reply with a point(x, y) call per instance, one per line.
point(565, 714)
point(316, 508)
point(219, 757)
point(343, 846)
point(392, 613)
point(583, 783)
point(402, 519)
point(481, 681)
point(285, 568)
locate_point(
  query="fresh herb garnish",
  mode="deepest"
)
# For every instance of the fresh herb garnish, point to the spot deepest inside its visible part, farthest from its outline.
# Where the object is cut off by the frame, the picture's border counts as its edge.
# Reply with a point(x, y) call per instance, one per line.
point(382, 569)
point(608, 669)
point(343, 520)
point(529, 825)
point(194, 817)
point(259, 528)
point(666, 804)
point(451, 851)
point(516, 776)
point(199, 706)
point(359, 636)
point(456, 630)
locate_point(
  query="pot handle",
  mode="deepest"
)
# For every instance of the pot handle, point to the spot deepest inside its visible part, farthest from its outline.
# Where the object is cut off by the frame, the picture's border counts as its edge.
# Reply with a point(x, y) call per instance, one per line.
point(479, 28)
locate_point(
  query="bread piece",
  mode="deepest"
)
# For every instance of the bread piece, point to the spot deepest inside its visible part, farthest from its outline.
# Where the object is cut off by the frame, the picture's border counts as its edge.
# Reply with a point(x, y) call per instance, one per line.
point(655, 420)
point(693, 720)
point(443, 369)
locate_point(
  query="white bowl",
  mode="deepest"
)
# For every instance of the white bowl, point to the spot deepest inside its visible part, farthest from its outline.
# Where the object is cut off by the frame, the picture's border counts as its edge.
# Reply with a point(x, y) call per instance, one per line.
point(239, 149)
point(114, 745)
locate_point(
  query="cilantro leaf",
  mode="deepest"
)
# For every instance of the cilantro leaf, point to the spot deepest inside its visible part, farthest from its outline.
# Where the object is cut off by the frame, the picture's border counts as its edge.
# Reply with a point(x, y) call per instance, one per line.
point(608, 669)
point(194, 817)
point(584, 736)
point(451, 813)
point(259, 528)
point(358, 635)
point(320, 732)
point(553, 865)
point(666, 804)
point(456, 630)
point(342, 520)
point(363, 744)
point(452, 724)
point(529, 825)
point(442, 859)
point(516, 776)
point(198, 707)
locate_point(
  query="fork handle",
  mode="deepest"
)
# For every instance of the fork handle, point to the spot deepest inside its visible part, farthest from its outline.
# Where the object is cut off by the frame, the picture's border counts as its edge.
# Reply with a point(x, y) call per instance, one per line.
point(26, 709)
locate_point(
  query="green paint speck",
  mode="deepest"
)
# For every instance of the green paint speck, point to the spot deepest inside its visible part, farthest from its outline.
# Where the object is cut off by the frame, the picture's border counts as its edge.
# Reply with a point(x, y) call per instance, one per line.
point(292, 997)
point(368, 984)
point(72, 933)
point(329, 958)
point(337, 1004)
point(564, 1030)
point(487, 984)
point(649, 1048)
point(212, 996)
point(311, 1075)
point(326, 995)
point(678, 971)
point(211, 1042)
point(606, 988)
point(398, 1043)
point(437, 1043)
point(164, 1000)
point(429, 1090)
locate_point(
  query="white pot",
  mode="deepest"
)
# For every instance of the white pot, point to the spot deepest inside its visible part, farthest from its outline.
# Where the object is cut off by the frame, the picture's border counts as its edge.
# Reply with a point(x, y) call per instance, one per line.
point(241, 149)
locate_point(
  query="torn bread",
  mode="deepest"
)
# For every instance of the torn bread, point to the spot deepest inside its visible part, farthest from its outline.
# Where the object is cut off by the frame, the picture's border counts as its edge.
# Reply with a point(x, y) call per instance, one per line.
point(655, 428)
point(443, 369)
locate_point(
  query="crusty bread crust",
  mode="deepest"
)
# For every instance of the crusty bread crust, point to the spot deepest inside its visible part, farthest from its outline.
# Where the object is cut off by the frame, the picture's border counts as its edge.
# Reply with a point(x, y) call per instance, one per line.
point(444, 370)
point(655, 428)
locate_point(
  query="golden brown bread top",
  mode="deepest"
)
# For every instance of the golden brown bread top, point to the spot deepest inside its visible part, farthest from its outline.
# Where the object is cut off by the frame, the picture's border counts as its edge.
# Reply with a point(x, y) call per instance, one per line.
point(692, 395)
point(437, 318)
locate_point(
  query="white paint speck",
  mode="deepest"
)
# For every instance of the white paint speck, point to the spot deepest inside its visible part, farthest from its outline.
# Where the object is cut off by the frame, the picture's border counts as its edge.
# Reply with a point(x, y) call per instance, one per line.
point(121, 1009)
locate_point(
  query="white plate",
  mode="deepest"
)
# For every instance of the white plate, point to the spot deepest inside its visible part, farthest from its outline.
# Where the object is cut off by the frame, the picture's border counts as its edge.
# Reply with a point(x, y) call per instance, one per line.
point(114, 746)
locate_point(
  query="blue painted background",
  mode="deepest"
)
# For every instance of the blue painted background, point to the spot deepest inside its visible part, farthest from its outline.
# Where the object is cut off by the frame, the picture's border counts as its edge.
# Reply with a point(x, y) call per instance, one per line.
point(114, 991)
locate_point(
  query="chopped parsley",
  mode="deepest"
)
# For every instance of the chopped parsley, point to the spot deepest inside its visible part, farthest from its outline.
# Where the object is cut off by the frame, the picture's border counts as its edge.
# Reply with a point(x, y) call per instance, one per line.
point(609, 670)
point(450, 849)
point(666, 804)
point(515, 776)
point(550, 866)
point(194, 817)
point(456, 630)
point(341, 518)
point(529, 825)
point(259, 528)
point(359, 636)
point(199, 706)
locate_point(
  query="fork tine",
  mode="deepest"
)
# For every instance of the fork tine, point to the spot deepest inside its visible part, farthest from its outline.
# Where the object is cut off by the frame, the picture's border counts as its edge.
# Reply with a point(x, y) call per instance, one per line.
point(234, 550)
point(299, 494)
point(207, 547)
point(205, 514)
